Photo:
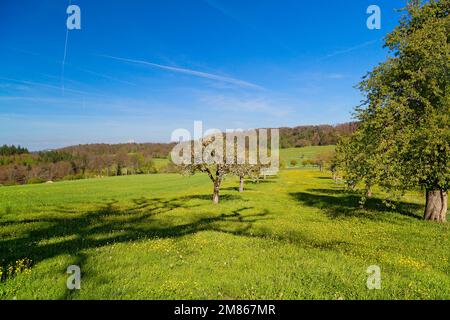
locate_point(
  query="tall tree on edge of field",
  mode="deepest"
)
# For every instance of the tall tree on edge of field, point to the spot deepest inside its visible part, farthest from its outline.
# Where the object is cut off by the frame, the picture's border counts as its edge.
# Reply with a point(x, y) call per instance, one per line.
point(406, 114)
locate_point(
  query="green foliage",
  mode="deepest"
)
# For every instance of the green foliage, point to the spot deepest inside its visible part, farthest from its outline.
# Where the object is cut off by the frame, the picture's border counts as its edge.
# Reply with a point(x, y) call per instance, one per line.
point(403, 139)
point(321, 135)
point(35, 181)
point(54, 156)
point(12, 150)
point(148, 167)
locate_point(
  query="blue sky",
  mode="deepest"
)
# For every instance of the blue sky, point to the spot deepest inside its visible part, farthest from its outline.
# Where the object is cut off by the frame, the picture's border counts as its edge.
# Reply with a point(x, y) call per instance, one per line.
point(139, 69)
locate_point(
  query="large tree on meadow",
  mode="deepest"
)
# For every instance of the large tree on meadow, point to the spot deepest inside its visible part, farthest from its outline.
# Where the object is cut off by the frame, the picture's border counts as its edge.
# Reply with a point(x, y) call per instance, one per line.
point(219, 155)
point(403, 140)
point(203, 156)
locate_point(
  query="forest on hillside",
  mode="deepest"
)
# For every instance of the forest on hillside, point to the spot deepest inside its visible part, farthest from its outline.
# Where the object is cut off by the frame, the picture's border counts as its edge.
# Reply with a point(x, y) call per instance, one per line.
point(320, 135)
point(20, 166)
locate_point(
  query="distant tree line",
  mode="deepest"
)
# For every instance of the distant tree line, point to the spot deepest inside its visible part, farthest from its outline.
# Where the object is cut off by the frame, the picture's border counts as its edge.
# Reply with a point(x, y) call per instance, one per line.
point(154, 150)
point(321, 160)
point(320, 135)
point(12, 150)
point(18, 166)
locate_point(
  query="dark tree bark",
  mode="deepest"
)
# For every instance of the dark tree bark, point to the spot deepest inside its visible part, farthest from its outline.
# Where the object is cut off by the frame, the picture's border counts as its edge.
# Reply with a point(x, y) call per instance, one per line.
point(241, 184)
point(436, 205)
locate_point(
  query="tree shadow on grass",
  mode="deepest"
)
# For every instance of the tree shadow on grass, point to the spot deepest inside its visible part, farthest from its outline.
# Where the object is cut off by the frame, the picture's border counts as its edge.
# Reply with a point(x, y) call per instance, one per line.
point(67, 231)
point(70, 232)
point(262, 180)
point(246, 188)
point(341, 204)
point(223, 197)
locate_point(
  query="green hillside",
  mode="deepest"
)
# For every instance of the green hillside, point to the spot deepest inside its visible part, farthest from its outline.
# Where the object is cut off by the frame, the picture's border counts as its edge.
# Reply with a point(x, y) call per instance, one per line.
point(300, 154)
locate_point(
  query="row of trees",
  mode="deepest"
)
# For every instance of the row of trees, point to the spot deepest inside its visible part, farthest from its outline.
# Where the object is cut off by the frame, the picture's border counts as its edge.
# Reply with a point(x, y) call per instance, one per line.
point(80, 162)
point(148, 150)
point(18, 165)
point(209, 159)
point(403, 138)
point(320, 160)
point(12, 150)
point(320, 135)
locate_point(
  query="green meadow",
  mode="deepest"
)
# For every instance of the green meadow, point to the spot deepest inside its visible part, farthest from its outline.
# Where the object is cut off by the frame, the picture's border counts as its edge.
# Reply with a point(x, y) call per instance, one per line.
point(160, 163)
point(300, 154)
point(295, 236)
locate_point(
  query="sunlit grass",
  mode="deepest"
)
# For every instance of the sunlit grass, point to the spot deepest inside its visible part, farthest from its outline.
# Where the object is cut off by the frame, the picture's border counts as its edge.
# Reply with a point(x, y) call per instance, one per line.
point(300, 154)
point(298, 236)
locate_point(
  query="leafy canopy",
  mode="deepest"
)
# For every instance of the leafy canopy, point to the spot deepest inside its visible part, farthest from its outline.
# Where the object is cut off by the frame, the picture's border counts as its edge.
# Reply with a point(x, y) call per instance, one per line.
point(404, 133)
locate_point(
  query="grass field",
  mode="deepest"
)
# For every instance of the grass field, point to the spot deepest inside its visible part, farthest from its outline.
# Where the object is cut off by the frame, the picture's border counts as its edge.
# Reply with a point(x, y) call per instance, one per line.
point(159, 236)
point(160, 163)
point(300, 154)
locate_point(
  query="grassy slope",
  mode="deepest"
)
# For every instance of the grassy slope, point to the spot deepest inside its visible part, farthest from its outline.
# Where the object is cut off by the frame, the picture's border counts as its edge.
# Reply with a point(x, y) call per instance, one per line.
point(300, 154)
point(158, 236)
point(160, 163)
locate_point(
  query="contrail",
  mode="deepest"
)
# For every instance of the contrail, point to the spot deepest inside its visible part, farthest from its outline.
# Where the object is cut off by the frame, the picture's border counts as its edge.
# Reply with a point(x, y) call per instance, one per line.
point(49, 86)
point(64, 57)
point(347, 50)
point(195, 73)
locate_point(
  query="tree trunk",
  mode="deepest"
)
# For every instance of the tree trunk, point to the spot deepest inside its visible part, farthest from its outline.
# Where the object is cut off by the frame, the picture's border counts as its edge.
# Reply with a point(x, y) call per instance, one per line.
point(368, 190)
point(436, 205)
point(216, 192)
point(241, 184)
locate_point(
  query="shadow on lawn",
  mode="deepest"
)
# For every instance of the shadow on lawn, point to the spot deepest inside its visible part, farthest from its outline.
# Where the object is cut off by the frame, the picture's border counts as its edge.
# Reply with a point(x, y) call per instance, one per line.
point(69, 232)
point(262, 180)
point(342, 204)
point(223, 197)
point(72, 232)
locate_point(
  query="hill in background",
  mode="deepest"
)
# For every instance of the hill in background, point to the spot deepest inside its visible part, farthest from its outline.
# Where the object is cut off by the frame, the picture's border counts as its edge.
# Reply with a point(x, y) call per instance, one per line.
point(19, 166)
